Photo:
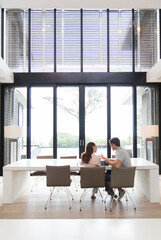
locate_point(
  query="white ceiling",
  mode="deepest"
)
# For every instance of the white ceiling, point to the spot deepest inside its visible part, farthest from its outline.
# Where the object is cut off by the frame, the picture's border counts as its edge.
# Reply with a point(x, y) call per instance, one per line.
point(90, 4)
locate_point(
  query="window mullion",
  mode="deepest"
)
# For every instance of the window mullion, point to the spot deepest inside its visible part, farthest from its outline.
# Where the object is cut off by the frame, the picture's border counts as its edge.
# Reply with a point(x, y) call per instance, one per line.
point(138, 31)
point(119, 36)
point(44, 40)
point(24, 41)
point(5, 35)
point(62, 40)
point(100, 17)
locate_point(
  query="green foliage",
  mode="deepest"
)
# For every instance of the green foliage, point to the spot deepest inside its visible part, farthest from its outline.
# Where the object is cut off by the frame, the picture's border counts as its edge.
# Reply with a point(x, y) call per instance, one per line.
point(41, 144)
point(101, 142)
point(66, 140)
point(127, 141)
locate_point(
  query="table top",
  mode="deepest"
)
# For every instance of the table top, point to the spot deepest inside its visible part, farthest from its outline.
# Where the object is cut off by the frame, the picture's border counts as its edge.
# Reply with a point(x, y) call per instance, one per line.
point(75, 164)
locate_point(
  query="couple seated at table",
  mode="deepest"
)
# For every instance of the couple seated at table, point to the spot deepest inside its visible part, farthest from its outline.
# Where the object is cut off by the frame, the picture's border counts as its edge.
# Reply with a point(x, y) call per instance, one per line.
point(122, 159)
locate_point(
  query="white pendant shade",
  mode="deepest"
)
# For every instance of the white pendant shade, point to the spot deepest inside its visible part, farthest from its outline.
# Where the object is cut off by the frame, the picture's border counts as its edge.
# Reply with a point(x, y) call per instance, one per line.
point(6, 75)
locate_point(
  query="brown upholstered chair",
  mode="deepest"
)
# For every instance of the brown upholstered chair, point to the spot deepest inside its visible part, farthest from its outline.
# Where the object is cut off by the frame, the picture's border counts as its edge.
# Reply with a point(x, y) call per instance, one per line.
point(73, 173)
point(122, 178)
point(39, 174)
point(58, 176)
point(68, 157)
point(91, 177)
point(44, 157)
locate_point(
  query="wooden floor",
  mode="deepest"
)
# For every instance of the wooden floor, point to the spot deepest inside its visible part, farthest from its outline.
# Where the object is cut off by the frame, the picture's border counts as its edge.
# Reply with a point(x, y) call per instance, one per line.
point(31, 206)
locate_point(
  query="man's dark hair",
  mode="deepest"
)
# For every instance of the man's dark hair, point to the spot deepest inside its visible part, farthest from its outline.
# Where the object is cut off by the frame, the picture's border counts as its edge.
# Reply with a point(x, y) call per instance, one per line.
point(115, 141)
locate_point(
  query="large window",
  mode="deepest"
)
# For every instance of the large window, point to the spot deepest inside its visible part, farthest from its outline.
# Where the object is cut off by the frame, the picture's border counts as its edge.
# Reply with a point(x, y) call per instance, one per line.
point(82, 40)
point(41, 121)
point(79, 115)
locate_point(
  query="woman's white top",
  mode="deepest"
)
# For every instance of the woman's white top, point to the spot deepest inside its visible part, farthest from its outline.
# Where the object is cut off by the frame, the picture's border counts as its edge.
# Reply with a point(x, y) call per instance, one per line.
point(95, 161)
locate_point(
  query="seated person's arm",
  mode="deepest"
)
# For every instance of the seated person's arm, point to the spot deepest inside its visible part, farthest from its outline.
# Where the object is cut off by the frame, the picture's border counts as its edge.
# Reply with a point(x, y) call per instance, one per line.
point(112, 162)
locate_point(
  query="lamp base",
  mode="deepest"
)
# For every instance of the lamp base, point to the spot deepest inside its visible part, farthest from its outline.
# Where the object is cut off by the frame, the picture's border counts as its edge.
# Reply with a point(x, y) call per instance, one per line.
point(151, 140)
point(11, 147)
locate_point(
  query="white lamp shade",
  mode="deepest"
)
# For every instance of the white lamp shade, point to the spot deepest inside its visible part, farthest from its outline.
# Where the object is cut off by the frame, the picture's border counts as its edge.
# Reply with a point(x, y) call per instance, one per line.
point(6, 75)
point(149, 131)
point(13, 131)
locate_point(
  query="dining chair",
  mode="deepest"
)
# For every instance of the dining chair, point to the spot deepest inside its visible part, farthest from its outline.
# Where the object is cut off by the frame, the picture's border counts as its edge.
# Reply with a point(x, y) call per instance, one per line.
point(58, 176)
point(122, 178)
point(73, 173)
point(91, 177)
point(39, 174)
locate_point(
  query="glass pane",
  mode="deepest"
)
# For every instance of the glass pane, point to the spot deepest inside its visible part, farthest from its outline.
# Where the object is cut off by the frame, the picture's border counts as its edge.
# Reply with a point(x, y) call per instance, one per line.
point(42, 41)
point(146, 39)
point(96, 117)
point(41, 121)
point(95, 41)
point(15, 114)
point(68, 121)
point(120, 27)
point(122, 116)
point(17, 40)
point(68, 41)
point(37, 35)
point(147, 114)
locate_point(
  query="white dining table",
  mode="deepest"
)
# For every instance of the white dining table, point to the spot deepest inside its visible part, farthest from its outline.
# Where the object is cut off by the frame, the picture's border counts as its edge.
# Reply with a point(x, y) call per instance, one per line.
point(16, 176)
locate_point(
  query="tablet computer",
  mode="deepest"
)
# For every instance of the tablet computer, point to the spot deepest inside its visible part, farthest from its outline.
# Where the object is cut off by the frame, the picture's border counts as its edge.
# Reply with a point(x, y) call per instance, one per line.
point(103, 163)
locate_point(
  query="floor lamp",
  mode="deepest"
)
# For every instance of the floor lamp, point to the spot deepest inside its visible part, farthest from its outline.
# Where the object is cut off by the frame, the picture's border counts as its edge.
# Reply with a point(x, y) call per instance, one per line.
point(13, 133)
point(149, 132)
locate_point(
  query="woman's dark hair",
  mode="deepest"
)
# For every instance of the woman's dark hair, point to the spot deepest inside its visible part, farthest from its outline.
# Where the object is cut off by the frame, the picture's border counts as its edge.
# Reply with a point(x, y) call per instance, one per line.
point(115, 141)
point(87, 154)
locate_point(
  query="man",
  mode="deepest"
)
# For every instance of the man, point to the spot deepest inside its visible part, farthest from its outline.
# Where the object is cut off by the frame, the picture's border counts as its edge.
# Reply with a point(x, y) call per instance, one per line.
point(122, 159)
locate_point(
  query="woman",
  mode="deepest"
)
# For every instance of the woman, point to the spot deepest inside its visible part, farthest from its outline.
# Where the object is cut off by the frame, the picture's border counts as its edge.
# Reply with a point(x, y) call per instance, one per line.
point(90, 159)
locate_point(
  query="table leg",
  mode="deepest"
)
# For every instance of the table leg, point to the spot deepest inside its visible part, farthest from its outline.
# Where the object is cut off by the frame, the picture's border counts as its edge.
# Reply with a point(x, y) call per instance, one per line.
point(147, 182)
point(14, 184)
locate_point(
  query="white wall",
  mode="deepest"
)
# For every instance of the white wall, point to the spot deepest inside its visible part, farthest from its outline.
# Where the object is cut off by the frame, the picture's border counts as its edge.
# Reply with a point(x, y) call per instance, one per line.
point(91, 4)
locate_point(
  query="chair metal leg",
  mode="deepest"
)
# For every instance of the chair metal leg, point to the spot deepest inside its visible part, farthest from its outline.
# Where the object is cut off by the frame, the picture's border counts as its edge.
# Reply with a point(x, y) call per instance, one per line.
point(75, 183)
point(37, 180)
point(69, 194)
point(100, 194)
point(35, 183)
point(131, 201)
point(82, 197)
point(50, 197)
point(112, 204)
point(107, 196)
